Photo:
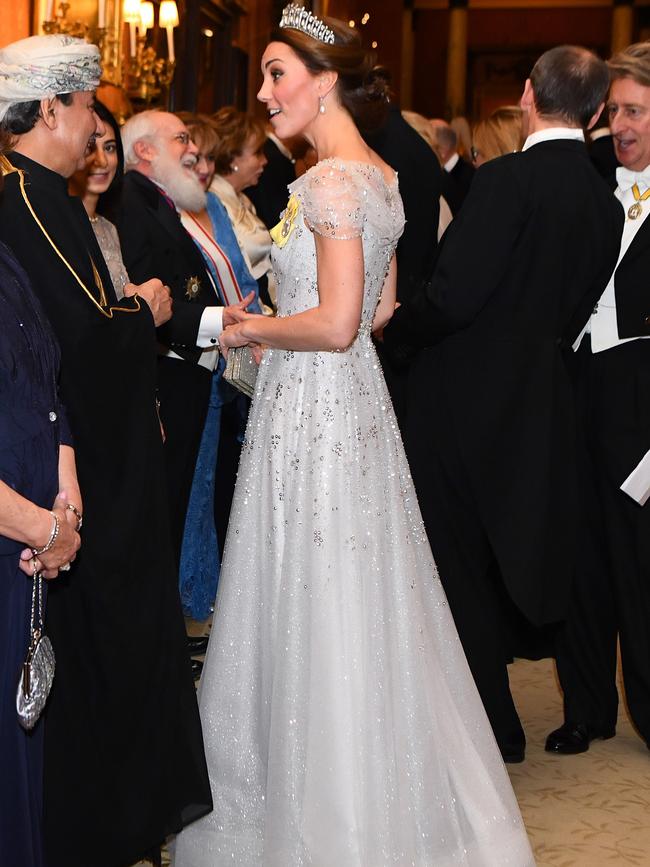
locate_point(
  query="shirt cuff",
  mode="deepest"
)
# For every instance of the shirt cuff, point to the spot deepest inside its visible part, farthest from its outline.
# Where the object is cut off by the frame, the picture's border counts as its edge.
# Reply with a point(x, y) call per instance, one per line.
point(210, 327)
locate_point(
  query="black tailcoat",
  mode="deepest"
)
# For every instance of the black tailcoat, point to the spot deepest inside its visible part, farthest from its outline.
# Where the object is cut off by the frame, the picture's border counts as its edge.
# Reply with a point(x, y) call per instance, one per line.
point(611, 592)
point(457, 184)
point(155, 244)
point(518, 275)
point(603, 156)
point(420, 185)
point(491, 421)
point(630, 287)
point(124, 761)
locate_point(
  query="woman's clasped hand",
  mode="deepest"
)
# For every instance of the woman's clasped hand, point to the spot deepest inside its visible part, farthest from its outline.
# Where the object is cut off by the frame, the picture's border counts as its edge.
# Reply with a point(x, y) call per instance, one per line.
point(56, 550)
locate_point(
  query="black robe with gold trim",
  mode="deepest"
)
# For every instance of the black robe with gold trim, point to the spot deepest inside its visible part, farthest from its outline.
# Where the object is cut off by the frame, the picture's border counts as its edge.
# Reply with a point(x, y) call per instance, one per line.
point(124, 763)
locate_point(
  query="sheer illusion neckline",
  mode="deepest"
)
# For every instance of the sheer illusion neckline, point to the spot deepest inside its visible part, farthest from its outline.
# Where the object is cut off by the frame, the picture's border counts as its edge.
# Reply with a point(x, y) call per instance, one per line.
point(344, 162)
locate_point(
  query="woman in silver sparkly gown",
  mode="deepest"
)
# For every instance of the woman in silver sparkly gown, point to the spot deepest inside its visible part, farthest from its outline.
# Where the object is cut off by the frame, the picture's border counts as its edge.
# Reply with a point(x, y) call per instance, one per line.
point(341, 723)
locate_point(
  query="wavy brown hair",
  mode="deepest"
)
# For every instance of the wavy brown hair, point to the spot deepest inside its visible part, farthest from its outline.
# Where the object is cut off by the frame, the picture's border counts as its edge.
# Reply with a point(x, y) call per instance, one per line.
point(234, 129)
point(633, 62)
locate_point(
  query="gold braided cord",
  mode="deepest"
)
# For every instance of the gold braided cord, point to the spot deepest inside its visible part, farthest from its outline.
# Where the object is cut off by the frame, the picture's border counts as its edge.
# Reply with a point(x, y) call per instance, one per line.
point(7, 168)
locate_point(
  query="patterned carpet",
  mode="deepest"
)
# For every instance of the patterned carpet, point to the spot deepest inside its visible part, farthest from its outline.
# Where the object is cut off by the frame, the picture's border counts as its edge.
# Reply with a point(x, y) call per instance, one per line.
point(580, 811)
point(591, 810)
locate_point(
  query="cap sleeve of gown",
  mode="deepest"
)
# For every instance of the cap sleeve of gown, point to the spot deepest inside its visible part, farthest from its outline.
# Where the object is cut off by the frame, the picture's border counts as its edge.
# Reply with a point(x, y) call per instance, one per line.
point(333, 202)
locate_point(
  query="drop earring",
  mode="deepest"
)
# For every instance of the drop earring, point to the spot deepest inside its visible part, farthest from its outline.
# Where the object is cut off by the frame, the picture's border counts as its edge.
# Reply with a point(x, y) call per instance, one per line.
point(321, 104)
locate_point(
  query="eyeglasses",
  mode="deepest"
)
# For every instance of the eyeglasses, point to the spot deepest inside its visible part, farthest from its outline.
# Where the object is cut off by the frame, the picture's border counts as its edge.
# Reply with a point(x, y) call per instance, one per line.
point(182, 137)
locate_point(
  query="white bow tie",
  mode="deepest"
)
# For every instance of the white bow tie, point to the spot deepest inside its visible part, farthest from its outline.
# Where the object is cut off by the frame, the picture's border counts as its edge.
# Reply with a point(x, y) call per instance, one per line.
point(626, 178)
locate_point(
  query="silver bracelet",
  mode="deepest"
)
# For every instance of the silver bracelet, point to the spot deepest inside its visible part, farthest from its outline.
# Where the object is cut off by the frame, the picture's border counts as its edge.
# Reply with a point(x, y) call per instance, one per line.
point(77, 515)
point(50, 542)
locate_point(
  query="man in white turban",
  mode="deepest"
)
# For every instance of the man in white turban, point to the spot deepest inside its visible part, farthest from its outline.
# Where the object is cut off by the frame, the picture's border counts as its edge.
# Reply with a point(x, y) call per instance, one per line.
point(124, 763)
point(42, 67)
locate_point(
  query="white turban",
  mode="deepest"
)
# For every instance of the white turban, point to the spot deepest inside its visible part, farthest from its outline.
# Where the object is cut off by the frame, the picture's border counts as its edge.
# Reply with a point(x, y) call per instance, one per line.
point(41, 67)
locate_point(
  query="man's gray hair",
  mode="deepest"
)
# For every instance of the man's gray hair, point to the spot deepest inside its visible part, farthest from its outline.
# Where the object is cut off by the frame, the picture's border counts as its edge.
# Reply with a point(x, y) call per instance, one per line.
point(140, 127)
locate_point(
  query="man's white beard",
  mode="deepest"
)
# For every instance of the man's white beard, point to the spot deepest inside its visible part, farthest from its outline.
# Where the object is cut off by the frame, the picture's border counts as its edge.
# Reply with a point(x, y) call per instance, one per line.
point(182, 187)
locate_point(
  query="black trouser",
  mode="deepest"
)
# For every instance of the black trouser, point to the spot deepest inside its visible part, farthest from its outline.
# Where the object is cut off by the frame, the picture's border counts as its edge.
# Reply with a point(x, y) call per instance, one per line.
point(611, 593)
point(184, 391)
point(233, 424)
point(468, 569)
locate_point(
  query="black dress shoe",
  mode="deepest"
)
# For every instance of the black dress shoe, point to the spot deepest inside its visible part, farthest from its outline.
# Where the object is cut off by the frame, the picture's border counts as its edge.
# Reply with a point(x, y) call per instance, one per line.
point(572, 738)
point(154, 855)
point(513, 755)
point(197, 646)
point(197, 668)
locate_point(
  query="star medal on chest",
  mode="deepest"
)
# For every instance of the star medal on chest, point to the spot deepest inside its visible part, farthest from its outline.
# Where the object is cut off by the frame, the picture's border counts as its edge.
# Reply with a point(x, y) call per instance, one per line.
point(282, 232)
point(192, 288)
point(635, 210)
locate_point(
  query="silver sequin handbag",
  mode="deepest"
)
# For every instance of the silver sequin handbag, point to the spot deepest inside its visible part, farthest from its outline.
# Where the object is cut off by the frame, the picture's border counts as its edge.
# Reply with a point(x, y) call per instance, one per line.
point(37, 672)
point(241, 369)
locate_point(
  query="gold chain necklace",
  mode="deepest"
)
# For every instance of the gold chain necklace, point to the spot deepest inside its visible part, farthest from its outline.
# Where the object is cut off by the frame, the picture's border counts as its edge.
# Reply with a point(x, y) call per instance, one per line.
point(635, 210)
point(7, 168)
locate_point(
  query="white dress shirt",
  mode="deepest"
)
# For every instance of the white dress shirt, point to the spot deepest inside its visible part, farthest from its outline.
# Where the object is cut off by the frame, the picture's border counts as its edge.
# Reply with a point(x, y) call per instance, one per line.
point(601, 132)
point(553, 133)
point(603, 323)
point(451, 162)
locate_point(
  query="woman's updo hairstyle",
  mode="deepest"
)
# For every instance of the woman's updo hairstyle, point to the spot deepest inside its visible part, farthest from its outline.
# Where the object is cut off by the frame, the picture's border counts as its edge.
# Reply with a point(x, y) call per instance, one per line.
point(363, 94)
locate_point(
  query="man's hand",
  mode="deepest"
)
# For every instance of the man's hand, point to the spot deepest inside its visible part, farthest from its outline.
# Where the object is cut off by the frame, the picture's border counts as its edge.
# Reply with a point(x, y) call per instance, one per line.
point(232, 314)
point(157, 297)
point(231, 337)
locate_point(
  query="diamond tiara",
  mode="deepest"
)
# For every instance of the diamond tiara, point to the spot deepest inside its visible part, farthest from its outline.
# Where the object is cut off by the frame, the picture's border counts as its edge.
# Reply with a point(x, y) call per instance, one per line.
point(298, 18)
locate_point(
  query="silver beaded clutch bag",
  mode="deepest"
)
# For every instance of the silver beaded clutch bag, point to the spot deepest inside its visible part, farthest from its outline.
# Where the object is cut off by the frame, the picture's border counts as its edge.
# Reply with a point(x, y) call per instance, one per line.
point(241, 369)
point(37, 672)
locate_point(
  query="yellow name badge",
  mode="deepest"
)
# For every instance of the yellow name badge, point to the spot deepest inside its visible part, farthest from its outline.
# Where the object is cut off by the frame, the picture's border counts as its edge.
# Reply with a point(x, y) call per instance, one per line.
point(282, 232)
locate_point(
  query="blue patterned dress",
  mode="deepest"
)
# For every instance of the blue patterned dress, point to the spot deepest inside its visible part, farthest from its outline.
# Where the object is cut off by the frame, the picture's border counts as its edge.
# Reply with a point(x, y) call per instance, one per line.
point(200, 558)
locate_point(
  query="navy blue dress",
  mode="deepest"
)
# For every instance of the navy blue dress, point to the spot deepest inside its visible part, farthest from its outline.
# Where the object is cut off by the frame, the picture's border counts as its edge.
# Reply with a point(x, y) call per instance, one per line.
point(31, 427)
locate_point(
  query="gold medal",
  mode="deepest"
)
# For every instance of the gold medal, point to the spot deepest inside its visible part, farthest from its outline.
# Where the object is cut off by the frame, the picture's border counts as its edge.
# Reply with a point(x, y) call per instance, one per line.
point(635, 210)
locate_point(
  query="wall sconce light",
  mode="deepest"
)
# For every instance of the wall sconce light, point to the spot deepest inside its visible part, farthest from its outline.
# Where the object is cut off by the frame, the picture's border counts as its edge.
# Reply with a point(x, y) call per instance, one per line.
point(56, 21)
point(146, 16)
point(131, 15)
point(131, 64)
point(146, 73)
point(168, 18)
